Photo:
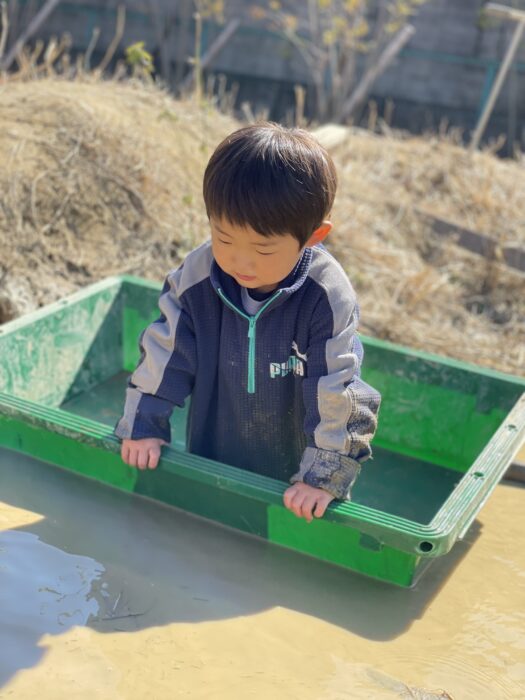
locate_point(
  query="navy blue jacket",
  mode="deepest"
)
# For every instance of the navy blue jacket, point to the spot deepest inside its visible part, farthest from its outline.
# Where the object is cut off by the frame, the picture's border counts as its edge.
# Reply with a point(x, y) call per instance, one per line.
point(278, 393)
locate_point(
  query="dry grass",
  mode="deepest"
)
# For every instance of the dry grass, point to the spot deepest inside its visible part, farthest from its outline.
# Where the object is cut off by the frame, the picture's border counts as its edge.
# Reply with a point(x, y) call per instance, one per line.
point(99, 178)
point(104, 177)
point(419, 289)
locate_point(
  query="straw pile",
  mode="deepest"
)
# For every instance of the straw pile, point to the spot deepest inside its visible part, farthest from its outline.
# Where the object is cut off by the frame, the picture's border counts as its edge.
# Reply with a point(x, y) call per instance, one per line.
point(101, 178)
point(416, 287)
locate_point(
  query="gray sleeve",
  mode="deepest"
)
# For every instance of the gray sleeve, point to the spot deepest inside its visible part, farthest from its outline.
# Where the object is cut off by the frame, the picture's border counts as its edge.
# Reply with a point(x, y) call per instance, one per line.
point(341, 410)
point(165, 374)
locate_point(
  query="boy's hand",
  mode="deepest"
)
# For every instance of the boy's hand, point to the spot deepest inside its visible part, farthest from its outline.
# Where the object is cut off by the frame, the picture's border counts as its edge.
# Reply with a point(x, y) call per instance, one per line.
point(142, 453)
point(306, 501)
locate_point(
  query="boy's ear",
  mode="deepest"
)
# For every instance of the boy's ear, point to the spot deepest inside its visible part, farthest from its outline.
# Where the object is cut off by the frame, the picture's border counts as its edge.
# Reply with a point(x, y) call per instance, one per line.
point(319, 234)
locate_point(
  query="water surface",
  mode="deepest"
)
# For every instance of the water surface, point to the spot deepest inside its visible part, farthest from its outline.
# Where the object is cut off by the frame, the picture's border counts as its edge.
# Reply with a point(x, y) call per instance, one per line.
point(107, 595)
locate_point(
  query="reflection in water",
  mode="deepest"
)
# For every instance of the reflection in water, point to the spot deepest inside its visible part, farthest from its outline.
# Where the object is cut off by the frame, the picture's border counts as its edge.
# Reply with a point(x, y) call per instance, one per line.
point(43, 591)
point(111, 596)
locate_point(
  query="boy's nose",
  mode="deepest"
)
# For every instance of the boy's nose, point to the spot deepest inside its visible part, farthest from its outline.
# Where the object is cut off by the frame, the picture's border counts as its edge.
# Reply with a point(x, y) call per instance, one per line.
point(243, 264)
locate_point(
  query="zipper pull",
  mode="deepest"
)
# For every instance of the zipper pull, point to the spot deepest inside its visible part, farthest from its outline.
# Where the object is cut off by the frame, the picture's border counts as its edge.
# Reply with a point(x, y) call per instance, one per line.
point(251, 328)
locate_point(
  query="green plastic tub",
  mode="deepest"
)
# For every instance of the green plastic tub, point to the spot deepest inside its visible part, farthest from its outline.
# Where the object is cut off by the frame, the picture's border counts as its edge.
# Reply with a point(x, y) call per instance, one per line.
point(447, 433)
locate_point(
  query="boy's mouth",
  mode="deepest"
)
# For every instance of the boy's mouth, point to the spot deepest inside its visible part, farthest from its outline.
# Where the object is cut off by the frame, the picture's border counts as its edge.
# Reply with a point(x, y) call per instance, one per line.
point(244, 278)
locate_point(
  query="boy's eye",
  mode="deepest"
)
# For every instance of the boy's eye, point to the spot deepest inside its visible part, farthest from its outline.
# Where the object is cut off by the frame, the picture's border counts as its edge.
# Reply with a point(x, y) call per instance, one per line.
point(265, 253)
point(225, 242)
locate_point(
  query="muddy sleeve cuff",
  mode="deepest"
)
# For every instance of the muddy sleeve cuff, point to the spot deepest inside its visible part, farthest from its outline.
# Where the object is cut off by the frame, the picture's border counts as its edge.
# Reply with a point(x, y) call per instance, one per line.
point(327, 470)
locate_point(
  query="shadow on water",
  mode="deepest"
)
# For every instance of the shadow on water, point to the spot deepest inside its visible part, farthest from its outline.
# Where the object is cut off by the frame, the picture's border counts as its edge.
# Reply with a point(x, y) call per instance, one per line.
point(117, 562)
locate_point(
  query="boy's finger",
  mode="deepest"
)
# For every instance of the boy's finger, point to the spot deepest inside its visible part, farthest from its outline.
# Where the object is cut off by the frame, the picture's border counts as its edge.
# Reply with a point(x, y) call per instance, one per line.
point(132, 456)
point(296, 505)
point(288, 496)
point(124, 453)
point(307, 507)
point(320, 508)
point(154, 455)
point(142, 459)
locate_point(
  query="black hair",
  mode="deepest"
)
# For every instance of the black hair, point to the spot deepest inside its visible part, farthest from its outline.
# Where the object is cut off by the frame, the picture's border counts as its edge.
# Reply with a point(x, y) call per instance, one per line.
point(274, 179)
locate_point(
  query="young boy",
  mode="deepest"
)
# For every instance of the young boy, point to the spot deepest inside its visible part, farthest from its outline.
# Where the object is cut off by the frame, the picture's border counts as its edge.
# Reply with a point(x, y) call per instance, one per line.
point(258, 325)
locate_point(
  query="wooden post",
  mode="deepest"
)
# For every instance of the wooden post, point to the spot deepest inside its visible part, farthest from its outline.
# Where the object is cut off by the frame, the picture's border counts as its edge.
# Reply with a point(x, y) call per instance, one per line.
point(506, 13)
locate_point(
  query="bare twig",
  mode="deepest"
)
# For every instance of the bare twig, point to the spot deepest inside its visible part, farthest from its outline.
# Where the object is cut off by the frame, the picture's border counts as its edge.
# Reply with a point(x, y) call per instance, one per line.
point(346, 72)
point(5, 28)
point(159, 23)
point(117, 602)
point(119, 31)
point(300, 94)
point(37, 51)
point(181, 38)
point(247, 111)
point(197, 59)
point(202, 62)
point(379, 31)
point(112, 616)
point(36, 220)
point(388, 55)
point(91, 46)
point(32, 28)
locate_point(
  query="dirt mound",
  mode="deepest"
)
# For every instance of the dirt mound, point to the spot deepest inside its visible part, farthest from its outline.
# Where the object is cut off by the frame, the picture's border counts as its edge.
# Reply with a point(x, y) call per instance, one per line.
point(98, 178)
point(102, 178)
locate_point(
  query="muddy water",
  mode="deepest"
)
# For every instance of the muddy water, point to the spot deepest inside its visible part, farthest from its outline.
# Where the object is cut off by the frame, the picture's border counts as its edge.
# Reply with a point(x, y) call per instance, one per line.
point(105, 595)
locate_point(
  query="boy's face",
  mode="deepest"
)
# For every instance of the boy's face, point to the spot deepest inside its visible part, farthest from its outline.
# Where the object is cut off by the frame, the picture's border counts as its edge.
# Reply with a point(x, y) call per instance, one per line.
point(256, 262)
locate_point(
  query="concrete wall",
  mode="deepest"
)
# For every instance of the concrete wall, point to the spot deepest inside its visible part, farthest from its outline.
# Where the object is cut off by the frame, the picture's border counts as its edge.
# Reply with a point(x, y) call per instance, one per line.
point(445, 70)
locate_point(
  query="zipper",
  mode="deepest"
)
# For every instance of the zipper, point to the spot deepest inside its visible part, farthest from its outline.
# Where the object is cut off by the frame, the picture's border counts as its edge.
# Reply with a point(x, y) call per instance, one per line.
point(252, 320)
point(251, 354)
